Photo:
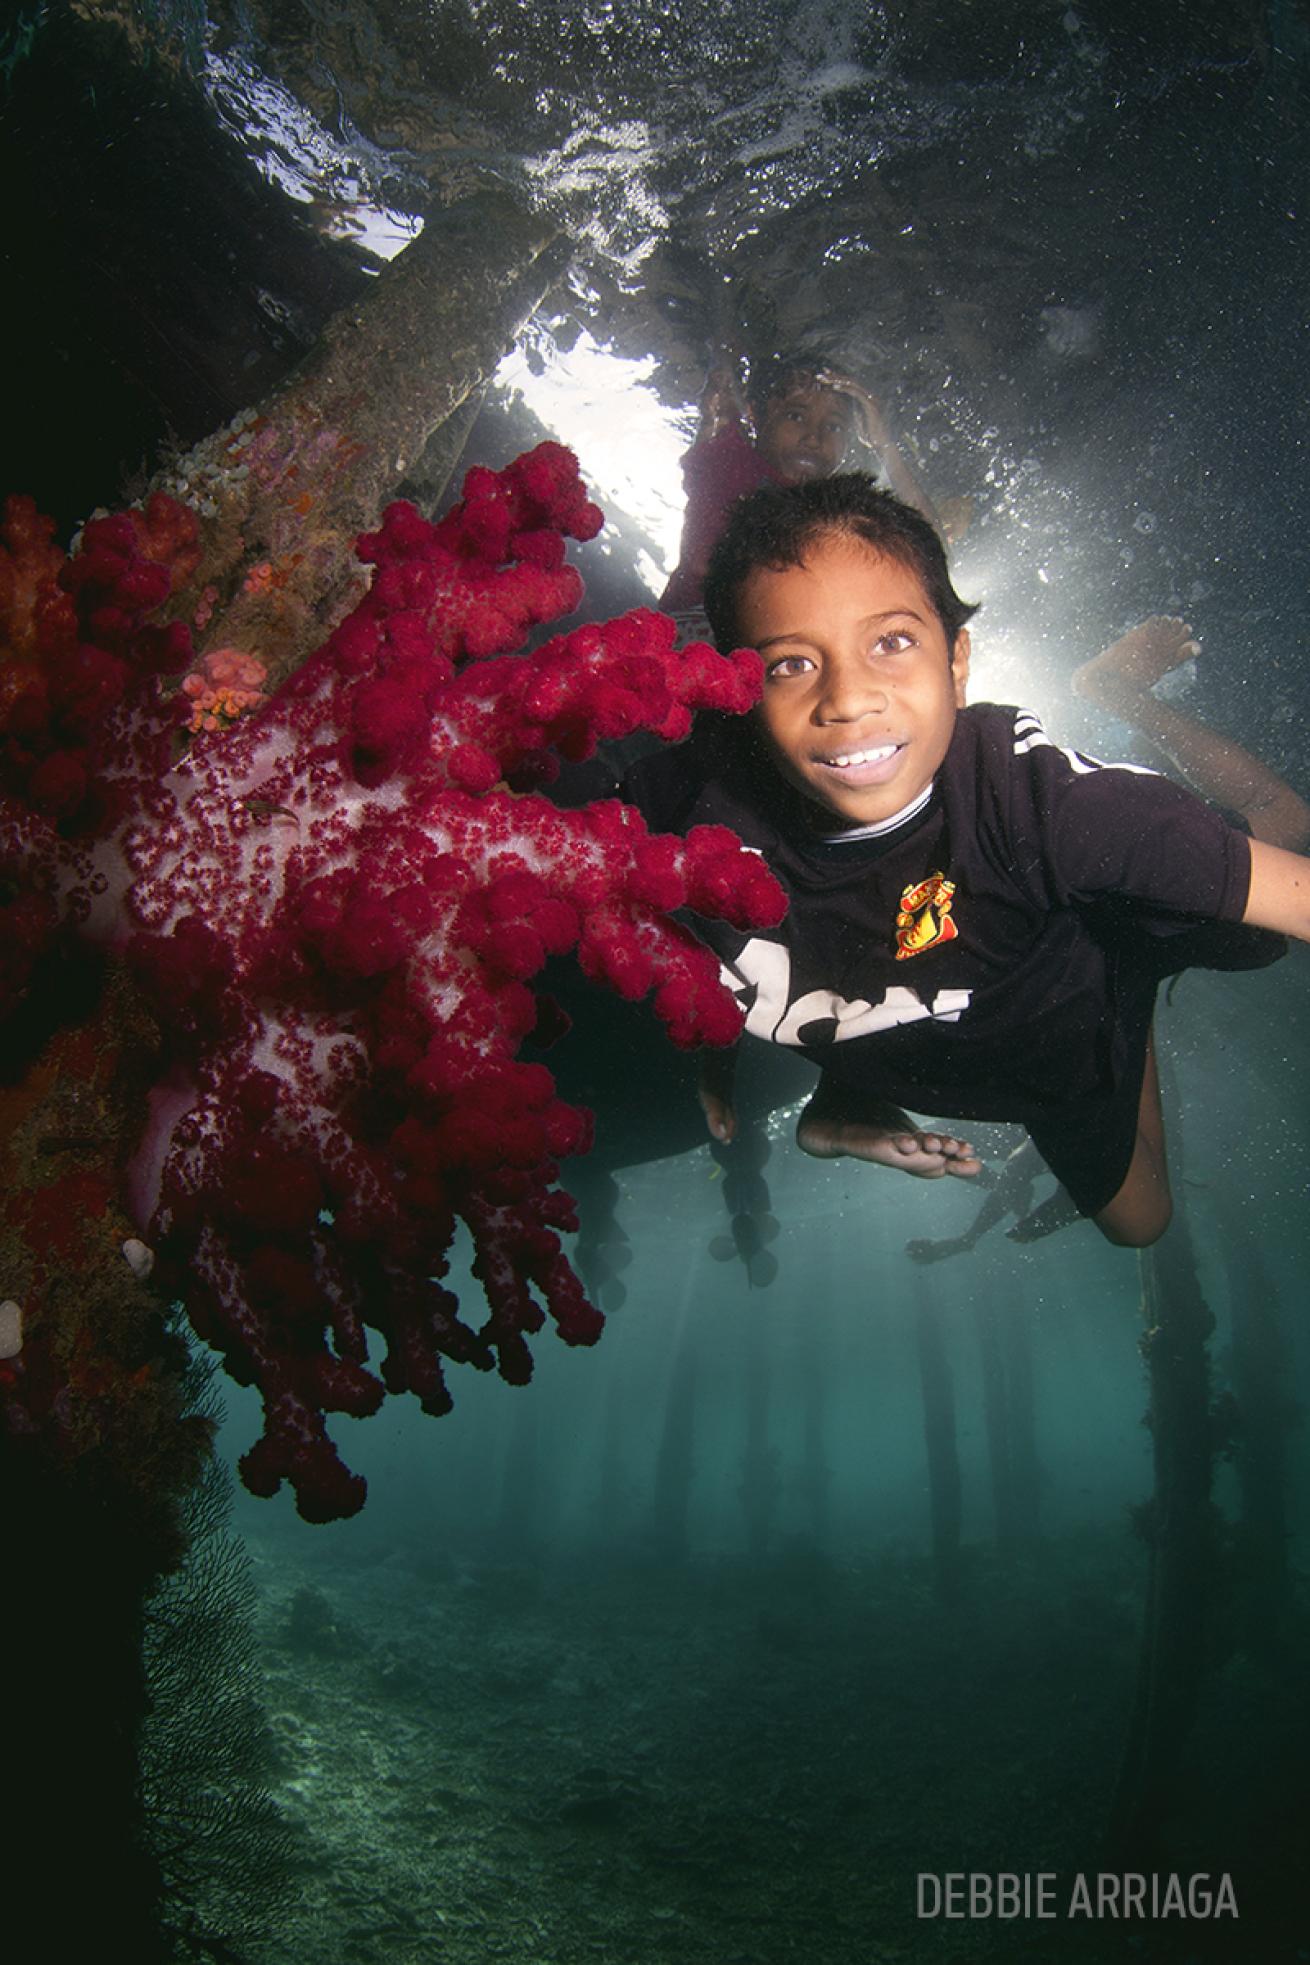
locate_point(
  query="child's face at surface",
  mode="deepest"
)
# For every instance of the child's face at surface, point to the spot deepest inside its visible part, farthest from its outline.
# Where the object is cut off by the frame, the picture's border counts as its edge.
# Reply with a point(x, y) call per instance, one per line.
point(803, 431)
point(861, 685)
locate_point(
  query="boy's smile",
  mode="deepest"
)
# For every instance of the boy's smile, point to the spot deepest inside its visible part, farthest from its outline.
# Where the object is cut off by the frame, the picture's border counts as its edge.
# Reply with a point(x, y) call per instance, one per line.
point(861, 685)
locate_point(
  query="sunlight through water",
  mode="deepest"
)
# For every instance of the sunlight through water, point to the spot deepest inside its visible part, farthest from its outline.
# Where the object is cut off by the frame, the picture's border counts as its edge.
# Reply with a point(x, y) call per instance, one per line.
point(631, 464)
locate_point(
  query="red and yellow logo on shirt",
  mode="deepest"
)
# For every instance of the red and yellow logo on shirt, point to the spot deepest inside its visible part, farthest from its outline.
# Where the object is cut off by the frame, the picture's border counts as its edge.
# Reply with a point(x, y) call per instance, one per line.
point(924, 919)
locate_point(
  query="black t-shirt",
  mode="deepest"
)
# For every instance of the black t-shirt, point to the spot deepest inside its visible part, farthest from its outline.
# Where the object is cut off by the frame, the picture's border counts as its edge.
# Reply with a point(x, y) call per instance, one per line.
point(995, 956)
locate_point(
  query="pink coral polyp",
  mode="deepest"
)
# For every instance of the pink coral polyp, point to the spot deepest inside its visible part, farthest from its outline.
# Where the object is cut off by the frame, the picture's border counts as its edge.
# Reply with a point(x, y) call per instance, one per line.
point(338, 906)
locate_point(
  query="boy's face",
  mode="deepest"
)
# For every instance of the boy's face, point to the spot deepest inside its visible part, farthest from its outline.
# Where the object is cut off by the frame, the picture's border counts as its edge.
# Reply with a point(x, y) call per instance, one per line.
point(803, 431)
point(861, 685)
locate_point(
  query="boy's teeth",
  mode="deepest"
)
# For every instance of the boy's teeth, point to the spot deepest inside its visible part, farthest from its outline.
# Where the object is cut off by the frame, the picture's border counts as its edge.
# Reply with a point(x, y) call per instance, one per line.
point(864, 757)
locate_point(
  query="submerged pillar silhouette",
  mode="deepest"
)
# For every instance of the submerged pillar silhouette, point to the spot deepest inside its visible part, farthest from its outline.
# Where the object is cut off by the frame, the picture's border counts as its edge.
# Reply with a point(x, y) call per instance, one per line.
point(519, 1525)
point(996, 1418)
point(611, 1490)
point(938, 1389)
point(810, 1367)
point(76, 1843)
point(1025, 1468)
point(428, 480)
point(675, 1456)
point(281, 493)
point(1007, 1388)
point(1266, 1412)
point(759, 1461)
point(1178, 1525)
point(286, 488)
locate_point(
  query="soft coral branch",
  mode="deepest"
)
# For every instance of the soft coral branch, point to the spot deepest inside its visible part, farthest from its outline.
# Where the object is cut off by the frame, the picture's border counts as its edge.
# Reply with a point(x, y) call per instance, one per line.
point(338, 908)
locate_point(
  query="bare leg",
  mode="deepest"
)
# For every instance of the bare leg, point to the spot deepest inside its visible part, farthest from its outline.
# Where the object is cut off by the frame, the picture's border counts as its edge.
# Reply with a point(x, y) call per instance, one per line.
point(925, 1250)
point(1011, 1193)
point(1121, 680)
point(1056, 1211)
point(1141, 1210)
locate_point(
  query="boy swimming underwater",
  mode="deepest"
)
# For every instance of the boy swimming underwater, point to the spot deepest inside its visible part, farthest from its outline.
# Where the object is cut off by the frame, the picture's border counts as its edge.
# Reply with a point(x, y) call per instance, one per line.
point(978, 920)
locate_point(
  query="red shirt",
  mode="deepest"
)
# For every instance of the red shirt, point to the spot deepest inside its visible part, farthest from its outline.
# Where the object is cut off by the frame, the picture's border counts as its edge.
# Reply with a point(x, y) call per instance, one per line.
point(717, 471)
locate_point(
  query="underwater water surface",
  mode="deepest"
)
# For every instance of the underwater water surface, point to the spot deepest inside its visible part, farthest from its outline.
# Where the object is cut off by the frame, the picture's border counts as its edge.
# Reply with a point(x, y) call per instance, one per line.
point(827, 1569)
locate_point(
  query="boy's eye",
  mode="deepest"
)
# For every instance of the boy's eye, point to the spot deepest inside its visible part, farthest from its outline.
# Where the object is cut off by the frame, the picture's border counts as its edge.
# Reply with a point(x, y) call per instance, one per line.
point(895, 643)
point(786, 665)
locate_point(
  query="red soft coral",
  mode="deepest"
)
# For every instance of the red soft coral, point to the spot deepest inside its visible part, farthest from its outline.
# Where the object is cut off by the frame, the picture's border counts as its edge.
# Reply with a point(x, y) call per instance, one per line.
point(339, 906)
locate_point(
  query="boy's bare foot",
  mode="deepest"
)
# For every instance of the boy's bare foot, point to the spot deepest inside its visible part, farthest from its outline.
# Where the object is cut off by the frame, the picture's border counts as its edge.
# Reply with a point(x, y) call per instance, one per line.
point(1129, 668)
point(887, 1140)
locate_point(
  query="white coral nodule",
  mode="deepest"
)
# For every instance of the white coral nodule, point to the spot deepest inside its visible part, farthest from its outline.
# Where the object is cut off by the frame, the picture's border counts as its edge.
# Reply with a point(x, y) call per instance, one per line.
point(139, 1259)
point(11, 1329)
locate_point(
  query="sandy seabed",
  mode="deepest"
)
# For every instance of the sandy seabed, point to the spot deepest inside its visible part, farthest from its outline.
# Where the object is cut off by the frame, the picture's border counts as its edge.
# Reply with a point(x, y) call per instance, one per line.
point(722, 1763)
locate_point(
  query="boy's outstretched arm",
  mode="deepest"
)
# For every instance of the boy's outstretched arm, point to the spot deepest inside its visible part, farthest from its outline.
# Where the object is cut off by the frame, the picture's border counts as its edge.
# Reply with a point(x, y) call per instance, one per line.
point(1279, 897)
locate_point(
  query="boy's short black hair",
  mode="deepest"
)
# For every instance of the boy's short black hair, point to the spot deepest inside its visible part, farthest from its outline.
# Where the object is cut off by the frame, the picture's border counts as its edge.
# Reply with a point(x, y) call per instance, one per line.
point(777, 525)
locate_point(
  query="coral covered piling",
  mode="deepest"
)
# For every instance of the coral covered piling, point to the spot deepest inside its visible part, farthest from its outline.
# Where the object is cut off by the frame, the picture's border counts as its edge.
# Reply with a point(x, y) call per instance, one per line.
point(336, 908)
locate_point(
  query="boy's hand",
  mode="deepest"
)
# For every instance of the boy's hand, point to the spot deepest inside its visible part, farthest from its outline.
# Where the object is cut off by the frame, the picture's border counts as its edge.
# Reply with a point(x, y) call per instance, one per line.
point(719, 1115)
point(886, 1137)
point(717, 1077)
point(1125, 671)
